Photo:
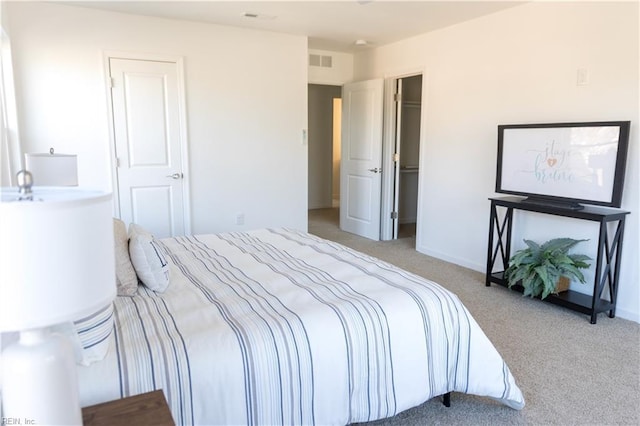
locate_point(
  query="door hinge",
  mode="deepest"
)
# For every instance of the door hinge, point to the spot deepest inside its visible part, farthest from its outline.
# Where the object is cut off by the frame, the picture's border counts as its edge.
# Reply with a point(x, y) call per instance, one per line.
point(112, 82)
point(396, 157)
point(394, 215)
point(117, 161)
point(397, 97)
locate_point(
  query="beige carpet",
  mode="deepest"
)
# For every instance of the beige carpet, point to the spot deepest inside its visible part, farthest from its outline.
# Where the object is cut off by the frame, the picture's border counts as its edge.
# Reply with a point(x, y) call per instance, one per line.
point(570, 371)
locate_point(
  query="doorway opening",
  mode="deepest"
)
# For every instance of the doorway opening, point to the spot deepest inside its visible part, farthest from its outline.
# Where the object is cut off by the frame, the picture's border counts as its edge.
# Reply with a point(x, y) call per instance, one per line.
point(408, 113)
point(324, 142)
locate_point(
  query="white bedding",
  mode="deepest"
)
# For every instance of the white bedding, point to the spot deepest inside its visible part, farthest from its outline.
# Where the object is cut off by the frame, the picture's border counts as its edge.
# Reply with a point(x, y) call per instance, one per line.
point(282, 327)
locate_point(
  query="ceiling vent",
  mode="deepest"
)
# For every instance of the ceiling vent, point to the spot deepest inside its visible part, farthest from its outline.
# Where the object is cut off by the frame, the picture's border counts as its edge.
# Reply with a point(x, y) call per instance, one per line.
point(253, 15)
point(323, 61)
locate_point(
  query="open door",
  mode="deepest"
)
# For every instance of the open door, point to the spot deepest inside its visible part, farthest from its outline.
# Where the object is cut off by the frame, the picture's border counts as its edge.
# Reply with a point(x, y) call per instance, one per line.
point(396, 169)
point(409, 107)
point(361, 159)
point(401, 156)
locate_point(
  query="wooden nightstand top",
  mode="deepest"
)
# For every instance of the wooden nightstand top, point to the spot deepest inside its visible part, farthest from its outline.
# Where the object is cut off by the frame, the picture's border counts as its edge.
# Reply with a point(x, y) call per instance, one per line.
point(145, 409)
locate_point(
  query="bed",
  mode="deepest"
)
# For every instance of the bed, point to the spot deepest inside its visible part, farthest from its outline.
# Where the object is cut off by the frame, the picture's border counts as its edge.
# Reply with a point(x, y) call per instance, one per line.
point(276, 326)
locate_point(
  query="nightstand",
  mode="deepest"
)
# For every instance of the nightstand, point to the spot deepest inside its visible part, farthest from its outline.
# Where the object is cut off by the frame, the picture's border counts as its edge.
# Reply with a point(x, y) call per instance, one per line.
point(145, 409)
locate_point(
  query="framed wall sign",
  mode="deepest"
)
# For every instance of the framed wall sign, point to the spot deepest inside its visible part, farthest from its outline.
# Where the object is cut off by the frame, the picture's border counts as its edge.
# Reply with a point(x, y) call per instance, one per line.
point(568, 163)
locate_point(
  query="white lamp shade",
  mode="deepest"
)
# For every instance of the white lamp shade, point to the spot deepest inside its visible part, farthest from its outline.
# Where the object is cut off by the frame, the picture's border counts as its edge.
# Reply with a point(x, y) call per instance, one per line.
point(53, 169)
point(56, 257)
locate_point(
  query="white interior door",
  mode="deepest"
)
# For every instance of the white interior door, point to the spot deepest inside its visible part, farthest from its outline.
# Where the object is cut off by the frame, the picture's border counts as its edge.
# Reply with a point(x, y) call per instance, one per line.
point(361, 162)
point(146, 106)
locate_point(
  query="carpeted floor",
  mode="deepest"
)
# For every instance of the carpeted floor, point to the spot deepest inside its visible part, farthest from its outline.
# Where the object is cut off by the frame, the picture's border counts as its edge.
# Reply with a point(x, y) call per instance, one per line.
point(570, 371)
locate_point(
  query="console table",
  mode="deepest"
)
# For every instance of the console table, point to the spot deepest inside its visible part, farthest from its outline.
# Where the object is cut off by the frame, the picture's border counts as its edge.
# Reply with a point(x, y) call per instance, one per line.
point(607, 260)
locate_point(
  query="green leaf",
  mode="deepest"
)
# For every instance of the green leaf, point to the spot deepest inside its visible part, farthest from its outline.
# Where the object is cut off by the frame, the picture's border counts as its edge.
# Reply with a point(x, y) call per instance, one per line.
point(561, 258)
point(582, 265)
point(536, 287)
point(520, 257)
point(559, 244)
point(533, 246)
point(579, 258)
point(547, 291)
point(572, 272)
point(545, 273)
point(513, 275)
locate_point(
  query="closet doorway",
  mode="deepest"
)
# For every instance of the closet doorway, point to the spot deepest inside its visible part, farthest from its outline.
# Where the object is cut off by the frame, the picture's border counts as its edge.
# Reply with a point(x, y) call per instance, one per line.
point(406, 124)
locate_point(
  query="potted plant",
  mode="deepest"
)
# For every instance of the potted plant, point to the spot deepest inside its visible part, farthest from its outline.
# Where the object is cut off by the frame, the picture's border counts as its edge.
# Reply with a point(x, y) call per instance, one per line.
point(538, 268)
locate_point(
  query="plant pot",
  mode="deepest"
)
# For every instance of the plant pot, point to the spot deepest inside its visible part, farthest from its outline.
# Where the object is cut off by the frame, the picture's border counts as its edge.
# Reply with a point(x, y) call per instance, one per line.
point(562, 284)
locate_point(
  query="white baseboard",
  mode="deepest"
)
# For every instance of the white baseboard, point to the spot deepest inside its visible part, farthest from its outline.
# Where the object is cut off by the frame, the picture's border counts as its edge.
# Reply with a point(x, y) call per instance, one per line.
point(628, 315)
point(452, 259)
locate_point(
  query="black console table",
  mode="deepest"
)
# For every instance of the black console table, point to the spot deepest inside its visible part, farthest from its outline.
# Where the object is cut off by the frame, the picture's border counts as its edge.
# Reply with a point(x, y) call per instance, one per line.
point(607, 260)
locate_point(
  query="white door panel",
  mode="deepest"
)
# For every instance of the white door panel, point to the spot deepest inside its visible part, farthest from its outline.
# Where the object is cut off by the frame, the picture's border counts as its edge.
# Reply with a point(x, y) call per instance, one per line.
point(149, 207)
point(360, 197)
point(145, 102)
point(361, 130)
point(361, 158)
point(148, 144)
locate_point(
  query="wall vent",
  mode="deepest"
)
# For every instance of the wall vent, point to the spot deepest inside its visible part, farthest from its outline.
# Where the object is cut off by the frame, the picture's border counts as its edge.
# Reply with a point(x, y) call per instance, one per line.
point(323, 61)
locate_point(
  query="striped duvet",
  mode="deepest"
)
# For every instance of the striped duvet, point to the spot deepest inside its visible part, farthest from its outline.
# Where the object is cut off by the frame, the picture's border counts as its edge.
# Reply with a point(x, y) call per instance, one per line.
point(275, 327)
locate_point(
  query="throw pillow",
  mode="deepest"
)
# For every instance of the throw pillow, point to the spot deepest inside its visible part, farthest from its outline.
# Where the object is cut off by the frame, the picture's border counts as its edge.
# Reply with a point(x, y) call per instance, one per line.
point(147, 258)
point(126, 279)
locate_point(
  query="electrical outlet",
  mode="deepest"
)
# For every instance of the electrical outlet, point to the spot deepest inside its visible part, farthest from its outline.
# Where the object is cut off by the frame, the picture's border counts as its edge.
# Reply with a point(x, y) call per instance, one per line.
point(582, 77)
point(240, 219)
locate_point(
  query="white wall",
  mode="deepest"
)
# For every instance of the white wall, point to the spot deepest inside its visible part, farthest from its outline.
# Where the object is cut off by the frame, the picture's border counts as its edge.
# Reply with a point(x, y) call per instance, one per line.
point(10, 154)
point(516, 66)
point(246, 94)
point(341, 71)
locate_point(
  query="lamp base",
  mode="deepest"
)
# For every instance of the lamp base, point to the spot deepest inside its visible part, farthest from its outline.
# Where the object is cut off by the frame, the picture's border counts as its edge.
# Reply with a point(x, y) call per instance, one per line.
point(39, 380)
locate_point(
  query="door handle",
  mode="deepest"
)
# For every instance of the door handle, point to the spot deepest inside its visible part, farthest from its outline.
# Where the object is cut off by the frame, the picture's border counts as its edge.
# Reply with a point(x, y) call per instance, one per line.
point(376, 170)
point(175, 176)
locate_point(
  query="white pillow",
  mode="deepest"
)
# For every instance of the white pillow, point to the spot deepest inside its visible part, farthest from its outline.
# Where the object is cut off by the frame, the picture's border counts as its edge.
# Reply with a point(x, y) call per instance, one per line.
point(90, 336)
point(147, 258)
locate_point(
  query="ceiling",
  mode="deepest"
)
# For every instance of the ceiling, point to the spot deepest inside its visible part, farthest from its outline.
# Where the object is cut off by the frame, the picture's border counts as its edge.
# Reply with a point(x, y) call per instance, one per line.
point(329, 25)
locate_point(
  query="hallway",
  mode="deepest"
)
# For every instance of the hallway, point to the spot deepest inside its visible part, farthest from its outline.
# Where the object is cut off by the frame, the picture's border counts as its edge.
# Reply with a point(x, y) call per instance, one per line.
point(326, 221)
